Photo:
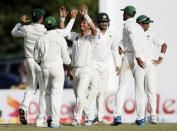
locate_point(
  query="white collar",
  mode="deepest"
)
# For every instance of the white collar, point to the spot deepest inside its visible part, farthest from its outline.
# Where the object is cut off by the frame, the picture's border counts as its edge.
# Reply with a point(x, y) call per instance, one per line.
point(130, 20)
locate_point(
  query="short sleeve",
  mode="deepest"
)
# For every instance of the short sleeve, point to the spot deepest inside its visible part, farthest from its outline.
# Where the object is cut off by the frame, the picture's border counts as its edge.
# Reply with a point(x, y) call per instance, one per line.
point(157, 41)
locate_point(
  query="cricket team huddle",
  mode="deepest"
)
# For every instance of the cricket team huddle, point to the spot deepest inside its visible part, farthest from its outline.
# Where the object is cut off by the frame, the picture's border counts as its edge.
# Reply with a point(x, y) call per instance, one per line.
point(46, 51)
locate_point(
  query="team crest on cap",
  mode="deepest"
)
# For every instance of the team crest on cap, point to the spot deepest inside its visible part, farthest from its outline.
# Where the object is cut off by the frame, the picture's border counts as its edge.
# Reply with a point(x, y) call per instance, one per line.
point(49, 21)
point(34, 14)
point(104, 16)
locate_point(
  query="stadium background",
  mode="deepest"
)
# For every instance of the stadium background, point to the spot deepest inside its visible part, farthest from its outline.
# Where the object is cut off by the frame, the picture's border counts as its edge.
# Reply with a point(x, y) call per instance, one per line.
point(12, 75)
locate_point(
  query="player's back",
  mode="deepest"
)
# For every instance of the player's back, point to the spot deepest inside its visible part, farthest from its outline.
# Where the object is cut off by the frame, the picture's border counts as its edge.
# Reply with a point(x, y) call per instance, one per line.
point(133, 38)
point(53, 49)
point(32, 33)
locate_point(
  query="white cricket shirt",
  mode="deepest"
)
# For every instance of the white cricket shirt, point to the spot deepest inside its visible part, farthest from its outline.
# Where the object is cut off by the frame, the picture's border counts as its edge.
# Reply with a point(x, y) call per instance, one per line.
point(82, 49)
point(105, 46)
point(133, 38)
point(51, 50)
point(152, 42)
point(32, 32)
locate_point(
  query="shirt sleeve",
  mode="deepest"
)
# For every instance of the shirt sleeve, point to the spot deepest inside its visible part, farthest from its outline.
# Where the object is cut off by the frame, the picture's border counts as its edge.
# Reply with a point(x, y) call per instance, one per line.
point(18, 31)
point(65, 53)
point(115, 54)
point(66, 31)
point(157, 41)
point(37, 53)
point(134, 35)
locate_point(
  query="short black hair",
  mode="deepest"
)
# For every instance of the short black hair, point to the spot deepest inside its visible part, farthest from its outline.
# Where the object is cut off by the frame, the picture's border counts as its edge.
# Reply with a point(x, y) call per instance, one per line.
point(36, 19)
point(82, 18)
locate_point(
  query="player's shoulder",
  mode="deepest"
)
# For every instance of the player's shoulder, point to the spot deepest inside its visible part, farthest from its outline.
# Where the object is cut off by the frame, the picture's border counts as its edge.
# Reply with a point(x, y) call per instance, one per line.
point(75, 34)
point(34, 26)
point(132, 25)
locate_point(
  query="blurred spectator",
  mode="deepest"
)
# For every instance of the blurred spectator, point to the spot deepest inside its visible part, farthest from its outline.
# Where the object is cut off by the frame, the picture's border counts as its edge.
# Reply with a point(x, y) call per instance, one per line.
point(12, 74)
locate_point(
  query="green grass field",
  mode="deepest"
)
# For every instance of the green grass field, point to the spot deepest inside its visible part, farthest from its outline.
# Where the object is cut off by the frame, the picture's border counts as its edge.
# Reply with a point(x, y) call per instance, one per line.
point(123, 127)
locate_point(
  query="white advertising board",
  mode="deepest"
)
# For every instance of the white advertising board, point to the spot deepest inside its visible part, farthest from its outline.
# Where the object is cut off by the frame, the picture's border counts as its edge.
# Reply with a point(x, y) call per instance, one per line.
point(10, 102)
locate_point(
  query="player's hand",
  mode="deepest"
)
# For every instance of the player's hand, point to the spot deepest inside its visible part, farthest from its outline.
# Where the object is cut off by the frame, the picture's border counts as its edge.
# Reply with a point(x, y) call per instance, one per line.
point(74, 13)
point(120, 50)
point(140, 62)
point(117, 70)
point(70, 75)
point(24, 19)
point(157, 62)
point(63, 13)
point(69, 72)
point(38, 68)
point(84, 10)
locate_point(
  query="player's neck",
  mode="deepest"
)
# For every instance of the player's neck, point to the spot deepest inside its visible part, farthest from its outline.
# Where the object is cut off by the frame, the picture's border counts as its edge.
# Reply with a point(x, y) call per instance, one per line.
point(84, 32)
point(102, 31)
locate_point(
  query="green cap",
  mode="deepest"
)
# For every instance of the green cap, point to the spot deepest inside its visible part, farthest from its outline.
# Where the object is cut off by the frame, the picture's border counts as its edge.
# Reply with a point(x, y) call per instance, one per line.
point(130, 10)
point(50, 22)
point(148, 20)
point(144, 19)
point(37, 13)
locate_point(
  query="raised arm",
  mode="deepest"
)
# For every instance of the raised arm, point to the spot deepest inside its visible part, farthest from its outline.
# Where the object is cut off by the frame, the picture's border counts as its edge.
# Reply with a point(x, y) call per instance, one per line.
point(84, 12)
point(18, 31)
point(62, 14)
point(66, 31)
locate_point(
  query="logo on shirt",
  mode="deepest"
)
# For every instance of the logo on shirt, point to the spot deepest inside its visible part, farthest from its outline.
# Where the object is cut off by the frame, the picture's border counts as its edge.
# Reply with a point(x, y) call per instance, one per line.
point(98, 37)
point(76, 39)
point(148, 37)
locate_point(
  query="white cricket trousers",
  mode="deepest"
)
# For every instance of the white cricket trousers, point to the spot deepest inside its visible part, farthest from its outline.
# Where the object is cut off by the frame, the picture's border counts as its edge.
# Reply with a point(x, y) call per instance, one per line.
point(97, 91)
point(145, 78)
point(53, 84)
point(81, 83)
point(126, 74)
point(34, 76)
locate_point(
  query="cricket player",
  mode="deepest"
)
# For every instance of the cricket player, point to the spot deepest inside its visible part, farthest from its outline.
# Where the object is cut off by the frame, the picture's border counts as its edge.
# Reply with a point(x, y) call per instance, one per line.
point(148, 73)
point(133, 35)
point(31, 34)
point(82, 49)
point(51, 52)
point(105, 46)
point(64, 32)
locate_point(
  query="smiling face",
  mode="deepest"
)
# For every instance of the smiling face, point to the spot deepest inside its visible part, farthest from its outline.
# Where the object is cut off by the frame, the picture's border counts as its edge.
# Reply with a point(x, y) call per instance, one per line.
point(84, 26)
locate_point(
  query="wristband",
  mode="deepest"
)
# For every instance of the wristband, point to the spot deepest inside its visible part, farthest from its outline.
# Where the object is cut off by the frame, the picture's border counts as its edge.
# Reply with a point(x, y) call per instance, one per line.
point(87, 17)
point(162, 55)
point(62, 19)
